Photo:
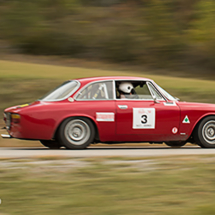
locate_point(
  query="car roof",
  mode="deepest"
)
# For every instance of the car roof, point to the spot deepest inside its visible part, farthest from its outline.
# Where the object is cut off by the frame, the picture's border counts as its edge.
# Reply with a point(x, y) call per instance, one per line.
point(104, 78)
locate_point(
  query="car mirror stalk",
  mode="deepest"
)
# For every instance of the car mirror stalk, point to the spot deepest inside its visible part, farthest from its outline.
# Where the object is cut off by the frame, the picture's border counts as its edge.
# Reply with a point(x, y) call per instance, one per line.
point(155, 100)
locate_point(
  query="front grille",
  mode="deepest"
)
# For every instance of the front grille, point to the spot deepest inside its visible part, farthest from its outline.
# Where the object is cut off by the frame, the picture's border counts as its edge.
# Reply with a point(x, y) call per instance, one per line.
point(8, 120)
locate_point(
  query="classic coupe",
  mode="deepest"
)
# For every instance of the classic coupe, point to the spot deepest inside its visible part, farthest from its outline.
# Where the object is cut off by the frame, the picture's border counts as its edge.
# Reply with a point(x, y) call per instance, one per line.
point(111, 110)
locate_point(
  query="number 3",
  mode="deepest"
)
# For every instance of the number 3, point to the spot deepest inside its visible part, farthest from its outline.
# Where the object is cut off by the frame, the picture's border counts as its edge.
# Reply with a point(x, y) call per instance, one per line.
point(144, 119)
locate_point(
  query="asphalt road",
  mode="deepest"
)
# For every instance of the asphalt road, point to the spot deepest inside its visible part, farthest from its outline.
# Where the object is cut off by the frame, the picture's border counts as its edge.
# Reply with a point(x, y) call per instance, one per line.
point(103, 151)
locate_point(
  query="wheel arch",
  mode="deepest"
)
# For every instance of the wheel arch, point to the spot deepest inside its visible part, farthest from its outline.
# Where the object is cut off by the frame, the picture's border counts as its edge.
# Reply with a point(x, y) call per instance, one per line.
point(54, 136)
point(195, 126)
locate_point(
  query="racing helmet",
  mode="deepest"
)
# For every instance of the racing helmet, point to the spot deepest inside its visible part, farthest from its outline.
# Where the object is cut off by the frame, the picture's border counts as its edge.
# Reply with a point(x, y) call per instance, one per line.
point(126, 87)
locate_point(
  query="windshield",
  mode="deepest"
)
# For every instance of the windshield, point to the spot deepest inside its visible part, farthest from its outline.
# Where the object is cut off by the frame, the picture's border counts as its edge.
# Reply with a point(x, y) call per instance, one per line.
point(61, 92)
point(167, 95)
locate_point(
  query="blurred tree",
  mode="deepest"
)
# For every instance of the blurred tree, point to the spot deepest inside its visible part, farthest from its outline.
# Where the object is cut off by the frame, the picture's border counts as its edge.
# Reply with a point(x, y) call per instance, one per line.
point(154, 32)
point(164, 38)
point(201, 34)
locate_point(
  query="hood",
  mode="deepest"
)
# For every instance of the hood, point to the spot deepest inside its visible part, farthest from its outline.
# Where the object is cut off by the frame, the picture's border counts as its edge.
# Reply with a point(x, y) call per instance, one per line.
point(196, 106)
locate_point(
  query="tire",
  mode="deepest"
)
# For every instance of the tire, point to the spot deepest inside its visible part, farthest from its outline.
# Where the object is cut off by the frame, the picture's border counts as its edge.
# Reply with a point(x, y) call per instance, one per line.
point(51, 144)
point(176, 144)
point(76, 133)
point(204, 133)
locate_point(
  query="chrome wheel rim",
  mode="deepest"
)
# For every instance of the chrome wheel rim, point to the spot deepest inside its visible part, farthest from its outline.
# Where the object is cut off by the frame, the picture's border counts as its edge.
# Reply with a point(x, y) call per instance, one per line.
point(77, 132)
point(208, 132)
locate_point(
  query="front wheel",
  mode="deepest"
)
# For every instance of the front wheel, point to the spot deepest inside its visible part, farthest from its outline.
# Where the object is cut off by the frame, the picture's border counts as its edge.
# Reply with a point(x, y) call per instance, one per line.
point(175, 144)
point(204, 134)
point(76, 133)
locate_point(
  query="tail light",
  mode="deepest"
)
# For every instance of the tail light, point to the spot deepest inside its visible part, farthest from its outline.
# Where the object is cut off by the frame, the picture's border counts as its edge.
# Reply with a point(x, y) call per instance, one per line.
point(15, 118)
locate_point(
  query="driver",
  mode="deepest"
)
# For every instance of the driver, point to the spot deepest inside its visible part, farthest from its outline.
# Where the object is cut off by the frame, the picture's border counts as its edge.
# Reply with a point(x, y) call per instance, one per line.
point(126, 90)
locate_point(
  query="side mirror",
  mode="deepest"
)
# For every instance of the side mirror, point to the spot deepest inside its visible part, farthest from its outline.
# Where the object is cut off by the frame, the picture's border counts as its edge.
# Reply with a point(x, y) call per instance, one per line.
point(177, 99)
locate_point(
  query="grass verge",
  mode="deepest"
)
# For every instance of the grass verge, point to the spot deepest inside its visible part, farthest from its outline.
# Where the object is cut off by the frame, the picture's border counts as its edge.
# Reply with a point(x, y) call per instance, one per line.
point(24, 82)
point(172, 185)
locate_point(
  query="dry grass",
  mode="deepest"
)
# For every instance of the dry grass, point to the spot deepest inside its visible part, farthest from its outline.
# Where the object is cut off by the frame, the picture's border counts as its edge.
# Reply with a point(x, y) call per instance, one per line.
point(173, 185)
point(27, 72)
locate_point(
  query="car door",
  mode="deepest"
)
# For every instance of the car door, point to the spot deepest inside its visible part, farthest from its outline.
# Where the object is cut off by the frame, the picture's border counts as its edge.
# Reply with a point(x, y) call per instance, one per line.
point(146, 116)
point(96, 102)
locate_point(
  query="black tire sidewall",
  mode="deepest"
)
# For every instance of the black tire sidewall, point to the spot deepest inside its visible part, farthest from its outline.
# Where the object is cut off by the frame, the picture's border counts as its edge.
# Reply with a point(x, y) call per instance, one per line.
point(199, 137)
point(68, 144)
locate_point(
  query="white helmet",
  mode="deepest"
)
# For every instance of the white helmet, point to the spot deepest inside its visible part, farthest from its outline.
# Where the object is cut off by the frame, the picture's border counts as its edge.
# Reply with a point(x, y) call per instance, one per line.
point(126, 87)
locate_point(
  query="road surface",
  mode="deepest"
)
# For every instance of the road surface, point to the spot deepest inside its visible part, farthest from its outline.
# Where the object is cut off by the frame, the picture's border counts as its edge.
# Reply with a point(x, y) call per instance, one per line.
point(103, 151)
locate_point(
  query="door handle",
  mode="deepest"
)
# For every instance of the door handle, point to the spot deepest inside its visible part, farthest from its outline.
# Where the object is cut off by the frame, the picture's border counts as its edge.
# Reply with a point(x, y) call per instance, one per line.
point(123, 106)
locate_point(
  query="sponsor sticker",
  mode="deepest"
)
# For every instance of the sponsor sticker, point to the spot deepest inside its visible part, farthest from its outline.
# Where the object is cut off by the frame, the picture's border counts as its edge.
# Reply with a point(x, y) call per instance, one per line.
point(174, 130)
point(105, 117)
point(143, 118)
point(186, 119)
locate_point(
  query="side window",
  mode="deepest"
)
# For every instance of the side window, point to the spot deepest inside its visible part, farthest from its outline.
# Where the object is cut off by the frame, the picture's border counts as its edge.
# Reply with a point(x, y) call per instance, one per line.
point(155, 92)
point(132, 90)
point(97, 91)
point(143, 92)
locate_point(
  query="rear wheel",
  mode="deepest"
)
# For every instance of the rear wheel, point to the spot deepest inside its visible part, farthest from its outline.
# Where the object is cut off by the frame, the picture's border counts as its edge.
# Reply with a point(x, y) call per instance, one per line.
point(51, 144)
point(76, 133)
point(175, 144)
point(204, 134)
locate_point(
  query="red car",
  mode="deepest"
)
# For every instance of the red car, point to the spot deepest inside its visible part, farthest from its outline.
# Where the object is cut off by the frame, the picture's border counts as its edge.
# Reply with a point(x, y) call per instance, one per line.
point(111, 109)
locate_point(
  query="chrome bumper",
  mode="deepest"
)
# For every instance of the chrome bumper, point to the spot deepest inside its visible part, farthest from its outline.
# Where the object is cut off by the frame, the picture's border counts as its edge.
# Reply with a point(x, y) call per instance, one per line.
point(5, 136)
